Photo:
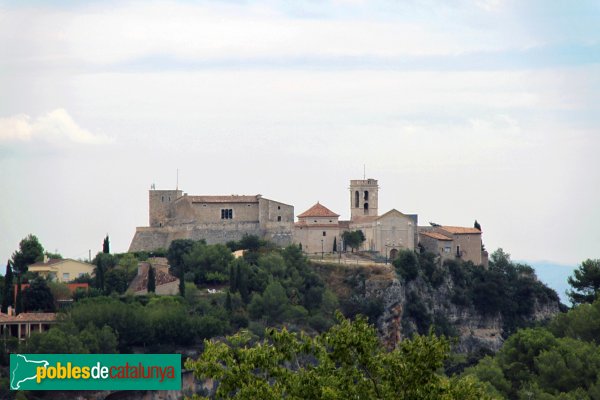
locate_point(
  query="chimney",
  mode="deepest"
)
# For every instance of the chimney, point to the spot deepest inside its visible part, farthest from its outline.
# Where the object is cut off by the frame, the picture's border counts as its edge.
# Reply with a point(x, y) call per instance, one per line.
point(10, 312)
point(45, 258)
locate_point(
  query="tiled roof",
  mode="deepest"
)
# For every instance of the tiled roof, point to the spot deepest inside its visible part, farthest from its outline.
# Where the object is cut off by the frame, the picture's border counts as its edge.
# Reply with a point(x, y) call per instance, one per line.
point(318, 210)
point(436, 235)
point(29, 317)
point(140, 282)
point(223, 199)
point(459, 230)
point(303, 224)
point(51, 261)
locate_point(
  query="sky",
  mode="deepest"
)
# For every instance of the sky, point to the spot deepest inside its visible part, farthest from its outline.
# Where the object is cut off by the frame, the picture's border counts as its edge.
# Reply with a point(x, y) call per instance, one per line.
point(463, 110)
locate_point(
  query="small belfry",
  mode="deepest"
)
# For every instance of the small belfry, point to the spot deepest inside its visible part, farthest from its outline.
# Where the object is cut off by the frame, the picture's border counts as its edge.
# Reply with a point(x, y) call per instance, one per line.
point(364, 196)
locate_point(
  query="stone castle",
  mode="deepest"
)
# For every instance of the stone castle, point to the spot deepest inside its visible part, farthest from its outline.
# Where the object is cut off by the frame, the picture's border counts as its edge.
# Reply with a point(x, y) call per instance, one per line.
point(218, 219)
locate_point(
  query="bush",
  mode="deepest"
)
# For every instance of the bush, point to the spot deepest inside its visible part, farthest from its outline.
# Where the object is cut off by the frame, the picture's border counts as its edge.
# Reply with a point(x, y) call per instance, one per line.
point(407, 265)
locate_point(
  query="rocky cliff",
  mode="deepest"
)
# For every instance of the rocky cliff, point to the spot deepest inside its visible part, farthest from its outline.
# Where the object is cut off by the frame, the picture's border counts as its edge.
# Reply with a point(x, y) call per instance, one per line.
point(400, 307)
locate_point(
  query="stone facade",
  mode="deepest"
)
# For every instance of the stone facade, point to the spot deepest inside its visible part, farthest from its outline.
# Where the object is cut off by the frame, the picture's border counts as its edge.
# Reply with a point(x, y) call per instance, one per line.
point(316, 230)
point(453, 242)
point(386, 234)
point(216, 219)
point(364, 198)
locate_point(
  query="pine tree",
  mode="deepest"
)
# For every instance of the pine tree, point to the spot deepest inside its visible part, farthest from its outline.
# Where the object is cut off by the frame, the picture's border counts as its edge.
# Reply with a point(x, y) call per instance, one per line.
point(106, 245)
point(335, 244)
point(8, 294)
point(151, 280)
point(477, 226)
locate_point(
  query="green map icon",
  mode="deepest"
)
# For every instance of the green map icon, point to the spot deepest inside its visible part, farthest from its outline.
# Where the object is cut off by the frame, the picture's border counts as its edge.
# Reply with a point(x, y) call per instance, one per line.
point(23, 369)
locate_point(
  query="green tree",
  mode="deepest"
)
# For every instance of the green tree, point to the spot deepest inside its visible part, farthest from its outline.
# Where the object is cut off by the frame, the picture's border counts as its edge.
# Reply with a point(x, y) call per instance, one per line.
point(116, 281)
point(151, 280)
point(106, 245)
point(407, 264)
point(476, 225)
point(353, 239)
point(585, 282)
point(19, 298)
point(8, 292)
point(335, 244)
point(38, 297)
point(343, 363)
point(177, 250)
point(53, 256)
point(30, 251)
point(103, 262)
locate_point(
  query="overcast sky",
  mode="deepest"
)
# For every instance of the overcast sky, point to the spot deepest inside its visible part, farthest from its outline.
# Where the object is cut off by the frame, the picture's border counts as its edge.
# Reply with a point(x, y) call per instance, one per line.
point(463, 110)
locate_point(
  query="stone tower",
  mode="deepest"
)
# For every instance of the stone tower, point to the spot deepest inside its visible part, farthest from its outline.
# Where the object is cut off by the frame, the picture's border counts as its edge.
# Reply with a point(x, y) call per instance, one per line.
point(364, 194)
point(160, 204)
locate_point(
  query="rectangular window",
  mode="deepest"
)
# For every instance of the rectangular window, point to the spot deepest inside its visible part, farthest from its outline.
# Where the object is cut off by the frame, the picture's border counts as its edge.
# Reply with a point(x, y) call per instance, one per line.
point(324, 233)
point(226, 213)
point(65, 277)
point(279, 218)
point(447, 249)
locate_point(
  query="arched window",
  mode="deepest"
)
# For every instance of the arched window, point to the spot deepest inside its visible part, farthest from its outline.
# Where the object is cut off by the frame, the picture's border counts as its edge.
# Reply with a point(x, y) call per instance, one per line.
point(356, 199)
point(366, 195)
point(366, 208)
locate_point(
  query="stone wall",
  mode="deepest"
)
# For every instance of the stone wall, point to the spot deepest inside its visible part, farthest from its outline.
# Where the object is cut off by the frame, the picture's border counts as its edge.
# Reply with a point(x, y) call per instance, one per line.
point(149, 238)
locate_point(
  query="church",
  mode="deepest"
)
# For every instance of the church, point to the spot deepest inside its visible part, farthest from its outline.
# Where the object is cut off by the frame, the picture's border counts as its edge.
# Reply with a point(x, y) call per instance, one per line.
point(318, 228)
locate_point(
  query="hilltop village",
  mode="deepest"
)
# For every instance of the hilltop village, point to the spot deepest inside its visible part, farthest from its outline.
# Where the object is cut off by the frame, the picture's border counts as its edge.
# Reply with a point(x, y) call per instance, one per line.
point(174, 214)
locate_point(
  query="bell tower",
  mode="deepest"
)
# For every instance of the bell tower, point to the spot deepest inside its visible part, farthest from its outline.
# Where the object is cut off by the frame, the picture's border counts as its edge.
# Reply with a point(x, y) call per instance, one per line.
point(364, 195)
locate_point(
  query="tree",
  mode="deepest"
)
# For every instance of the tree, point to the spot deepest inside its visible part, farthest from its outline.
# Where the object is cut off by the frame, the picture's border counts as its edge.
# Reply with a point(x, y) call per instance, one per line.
point(104, 262)
point(585, 282)
point(106, 245)
point(19, 299)
point(177, 250)
point(151, 280)
point(353, 238)
point(407, 264)
point(476, 225)
point(30, 251)
point(38, 297)
point(335, 244)
point(53, 256)
point(345, 362)
point(8, 293)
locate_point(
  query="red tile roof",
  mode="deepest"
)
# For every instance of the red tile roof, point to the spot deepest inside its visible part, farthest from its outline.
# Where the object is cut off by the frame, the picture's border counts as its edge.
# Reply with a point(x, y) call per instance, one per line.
point(29, 317)
point(318, 210)
point(459, 230)
point(436, 235)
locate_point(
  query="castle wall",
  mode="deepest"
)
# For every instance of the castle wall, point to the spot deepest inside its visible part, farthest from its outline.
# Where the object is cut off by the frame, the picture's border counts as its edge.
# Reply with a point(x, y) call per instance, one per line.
point(160, 205)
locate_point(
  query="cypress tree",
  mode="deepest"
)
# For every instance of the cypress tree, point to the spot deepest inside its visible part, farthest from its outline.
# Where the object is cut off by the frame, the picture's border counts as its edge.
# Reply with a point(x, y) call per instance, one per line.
point(8, 295)
point(151, 280)
point(335, 244)
point(228, 306)
point(19, 305)
point(232, 281)
point(181, 281)
point(106, 245)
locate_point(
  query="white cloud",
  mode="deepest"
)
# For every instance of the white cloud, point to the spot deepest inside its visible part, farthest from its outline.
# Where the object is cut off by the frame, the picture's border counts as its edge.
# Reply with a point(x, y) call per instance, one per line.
point(56, 127)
